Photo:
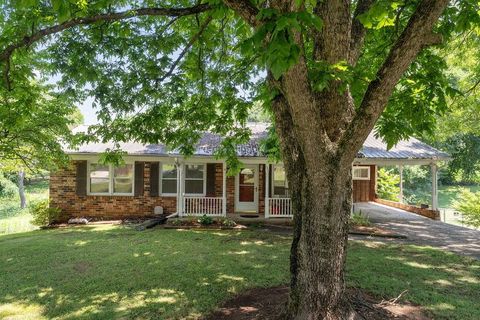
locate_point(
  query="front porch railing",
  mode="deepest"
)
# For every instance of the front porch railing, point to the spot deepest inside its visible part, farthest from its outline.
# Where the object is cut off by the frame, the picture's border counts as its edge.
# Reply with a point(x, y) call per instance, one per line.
point(198, 206)
point(279, 208)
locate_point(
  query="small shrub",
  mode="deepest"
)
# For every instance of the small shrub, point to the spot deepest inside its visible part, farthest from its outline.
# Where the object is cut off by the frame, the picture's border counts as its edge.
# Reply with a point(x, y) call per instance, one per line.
point(42, 214)
point(175, 222)
point(205, 220)
point(229, 223)
point(358, 219)
point(388, 184)
point(7, 187)
point(468, 203)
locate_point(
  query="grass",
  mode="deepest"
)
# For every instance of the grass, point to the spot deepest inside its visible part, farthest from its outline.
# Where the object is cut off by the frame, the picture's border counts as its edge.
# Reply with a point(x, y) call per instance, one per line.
point(107, 272)
point(14, 219)
point(448, 194)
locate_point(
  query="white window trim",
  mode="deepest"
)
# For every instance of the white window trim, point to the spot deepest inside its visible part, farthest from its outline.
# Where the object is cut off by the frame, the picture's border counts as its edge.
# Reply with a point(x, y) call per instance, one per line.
point(167, 194)
point(204, 193)
point(272, 181)
point(110, 182)
point(361, 167)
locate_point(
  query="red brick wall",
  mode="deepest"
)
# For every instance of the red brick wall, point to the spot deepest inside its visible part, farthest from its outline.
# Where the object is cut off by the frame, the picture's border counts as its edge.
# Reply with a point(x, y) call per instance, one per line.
point(432, 214)
point(230, 194)
point(261, 189)
point(63, 195)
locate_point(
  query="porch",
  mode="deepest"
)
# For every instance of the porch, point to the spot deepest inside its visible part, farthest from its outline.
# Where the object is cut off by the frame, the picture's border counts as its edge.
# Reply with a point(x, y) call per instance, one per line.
point(258, 191)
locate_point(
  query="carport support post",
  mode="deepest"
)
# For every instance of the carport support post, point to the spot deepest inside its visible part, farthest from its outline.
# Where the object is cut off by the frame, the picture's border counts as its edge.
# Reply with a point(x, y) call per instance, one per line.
point(400, 171)
point(434, 169)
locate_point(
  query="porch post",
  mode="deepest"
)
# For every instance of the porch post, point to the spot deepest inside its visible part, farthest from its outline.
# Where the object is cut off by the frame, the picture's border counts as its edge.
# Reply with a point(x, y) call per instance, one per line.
point(179, 207)
point(180, 181)
point(400, 195)
point(267, 190)
point(434, 169)
point(224, 189)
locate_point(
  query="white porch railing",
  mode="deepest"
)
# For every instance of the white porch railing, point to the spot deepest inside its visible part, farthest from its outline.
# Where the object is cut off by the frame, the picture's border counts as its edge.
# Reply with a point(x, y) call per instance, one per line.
point(198, 206)
point(279, 208)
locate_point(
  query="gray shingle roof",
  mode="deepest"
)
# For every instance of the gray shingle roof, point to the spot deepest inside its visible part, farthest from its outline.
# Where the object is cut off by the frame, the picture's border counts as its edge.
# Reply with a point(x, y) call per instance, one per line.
point(373, 147)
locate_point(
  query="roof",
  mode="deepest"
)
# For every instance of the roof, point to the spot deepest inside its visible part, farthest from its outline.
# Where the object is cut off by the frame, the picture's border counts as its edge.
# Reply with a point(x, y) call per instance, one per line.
point(373, 147)
point(406, 149)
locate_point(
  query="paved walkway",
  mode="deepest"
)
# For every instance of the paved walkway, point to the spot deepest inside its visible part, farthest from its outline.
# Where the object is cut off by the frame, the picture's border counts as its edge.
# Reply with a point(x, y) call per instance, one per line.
point(423, 231)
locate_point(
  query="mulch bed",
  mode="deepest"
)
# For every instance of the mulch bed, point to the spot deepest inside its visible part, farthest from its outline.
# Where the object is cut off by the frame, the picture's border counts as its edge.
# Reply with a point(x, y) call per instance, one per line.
point(269, 303)
point(371, 231)
point(374, 232)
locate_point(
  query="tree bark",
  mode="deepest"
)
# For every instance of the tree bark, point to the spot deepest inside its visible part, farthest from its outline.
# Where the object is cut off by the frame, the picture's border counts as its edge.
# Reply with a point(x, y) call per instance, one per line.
point(320, 236)
point(323, 188)
point(21, 189)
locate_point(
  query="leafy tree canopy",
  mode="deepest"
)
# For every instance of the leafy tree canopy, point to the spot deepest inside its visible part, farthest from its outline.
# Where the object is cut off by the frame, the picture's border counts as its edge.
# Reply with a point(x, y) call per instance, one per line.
point(167, 70)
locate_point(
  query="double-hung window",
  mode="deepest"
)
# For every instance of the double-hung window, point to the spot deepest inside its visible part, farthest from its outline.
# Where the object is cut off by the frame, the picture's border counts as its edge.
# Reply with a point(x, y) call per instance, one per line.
point(107, 179)
point(168, 176)
point(361, 173)
point(195, 179)
point(279, 182)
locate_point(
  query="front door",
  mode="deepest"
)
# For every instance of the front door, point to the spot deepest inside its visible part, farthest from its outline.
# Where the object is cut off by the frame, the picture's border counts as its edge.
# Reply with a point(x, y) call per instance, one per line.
point(246, 189)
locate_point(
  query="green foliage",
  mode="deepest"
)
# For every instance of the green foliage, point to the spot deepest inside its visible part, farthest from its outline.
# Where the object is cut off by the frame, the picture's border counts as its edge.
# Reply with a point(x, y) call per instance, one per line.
point(381, 14)
point(417, 185)
point(8, 189)
point(280, 51)
point(205, 220)
point(229, 223)
point(142, 93)
point(468, 203)
point(359, 219)
point(43, 214)
point(13, 219)
point(465, 164)
point(270, 145)
point(35, 122)
point(388, 184)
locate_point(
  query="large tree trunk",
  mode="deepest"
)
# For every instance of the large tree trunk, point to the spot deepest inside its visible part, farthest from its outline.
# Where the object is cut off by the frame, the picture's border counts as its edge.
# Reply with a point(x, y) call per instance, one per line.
point(21, 189)
point(321, 186)
point(321, 208)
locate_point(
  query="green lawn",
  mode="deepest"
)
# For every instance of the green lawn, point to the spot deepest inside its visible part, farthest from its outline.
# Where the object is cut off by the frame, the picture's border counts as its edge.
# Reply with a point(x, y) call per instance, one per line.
point(114, 272)
point(12, 218)
point(448, 194)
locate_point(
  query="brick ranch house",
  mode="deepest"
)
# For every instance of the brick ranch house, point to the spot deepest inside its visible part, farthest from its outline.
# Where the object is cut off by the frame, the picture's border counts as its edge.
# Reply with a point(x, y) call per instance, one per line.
point(155, 179)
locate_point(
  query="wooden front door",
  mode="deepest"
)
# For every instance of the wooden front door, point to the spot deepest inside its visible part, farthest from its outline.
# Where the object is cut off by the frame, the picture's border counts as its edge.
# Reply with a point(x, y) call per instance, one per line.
point(246, 189)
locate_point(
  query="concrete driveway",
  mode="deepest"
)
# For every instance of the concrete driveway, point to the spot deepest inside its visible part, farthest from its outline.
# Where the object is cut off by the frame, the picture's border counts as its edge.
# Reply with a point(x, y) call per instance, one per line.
point(423, 231)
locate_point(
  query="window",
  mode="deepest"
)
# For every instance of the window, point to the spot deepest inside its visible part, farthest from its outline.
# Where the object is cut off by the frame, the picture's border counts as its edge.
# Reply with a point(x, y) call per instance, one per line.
point(195, 179)
point(123, 179)
point(108, 179)
point(168, 178)
point(361, 173)
point(279, 182)
point(99, 178)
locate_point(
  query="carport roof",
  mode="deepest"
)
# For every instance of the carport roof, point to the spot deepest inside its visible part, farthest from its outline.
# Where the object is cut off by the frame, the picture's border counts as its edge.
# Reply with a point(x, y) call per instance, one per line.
point(373, 148)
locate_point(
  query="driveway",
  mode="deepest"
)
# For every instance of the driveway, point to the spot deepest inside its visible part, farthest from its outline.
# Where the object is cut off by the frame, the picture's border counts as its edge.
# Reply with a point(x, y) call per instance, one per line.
point(423, 231)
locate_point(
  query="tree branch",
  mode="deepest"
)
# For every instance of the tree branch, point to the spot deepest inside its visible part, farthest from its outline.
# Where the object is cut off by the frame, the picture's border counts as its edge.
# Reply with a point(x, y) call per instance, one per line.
point(185, 50)
point(245, 9)
point(417, 35)
point(172, 12)
point(358, 30)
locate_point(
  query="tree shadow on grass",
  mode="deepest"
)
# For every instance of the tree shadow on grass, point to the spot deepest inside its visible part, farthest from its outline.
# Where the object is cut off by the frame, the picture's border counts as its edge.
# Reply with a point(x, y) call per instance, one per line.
point(105, 273)
point(446, 284)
